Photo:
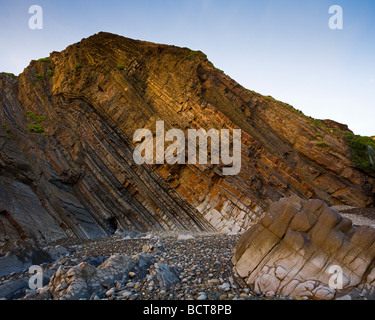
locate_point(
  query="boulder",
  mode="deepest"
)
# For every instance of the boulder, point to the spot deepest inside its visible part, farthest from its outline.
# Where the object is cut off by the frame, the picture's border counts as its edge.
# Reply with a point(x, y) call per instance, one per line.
point(84, 280)
point(306, 249)
point(81, 281)
point(21, 257)
point(165, 276)
point(56, 251)
point(14, 288)
point(143, 262)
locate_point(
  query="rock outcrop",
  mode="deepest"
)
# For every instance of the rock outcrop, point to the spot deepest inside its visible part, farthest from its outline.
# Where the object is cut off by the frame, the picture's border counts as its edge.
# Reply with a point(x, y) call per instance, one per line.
point(20, 256)
point(66, 150)
point(307, 249)
point(84, 280)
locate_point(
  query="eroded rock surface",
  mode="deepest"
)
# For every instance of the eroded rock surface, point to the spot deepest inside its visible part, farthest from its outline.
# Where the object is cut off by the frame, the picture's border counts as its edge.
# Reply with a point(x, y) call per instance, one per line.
point(301, 248)
point(20, 257)
point(83, 280)
point(66, 151)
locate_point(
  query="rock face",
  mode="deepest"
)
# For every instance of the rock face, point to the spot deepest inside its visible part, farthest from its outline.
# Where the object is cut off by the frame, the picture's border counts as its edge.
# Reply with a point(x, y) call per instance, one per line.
point(306, 249)
point(66, 150)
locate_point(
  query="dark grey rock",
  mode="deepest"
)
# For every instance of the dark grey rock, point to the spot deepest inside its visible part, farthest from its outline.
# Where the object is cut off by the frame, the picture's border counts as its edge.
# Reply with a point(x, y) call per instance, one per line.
point(95, 261)
point(21, 258)
point(165, 276)
point(143, 262)
point(23, 216)
point(14, 289)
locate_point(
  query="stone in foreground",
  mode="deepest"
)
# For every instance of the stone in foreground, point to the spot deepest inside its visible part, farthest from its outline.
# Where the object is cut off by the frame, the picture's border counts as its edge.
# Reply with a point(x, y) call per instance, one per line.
point(306, 249)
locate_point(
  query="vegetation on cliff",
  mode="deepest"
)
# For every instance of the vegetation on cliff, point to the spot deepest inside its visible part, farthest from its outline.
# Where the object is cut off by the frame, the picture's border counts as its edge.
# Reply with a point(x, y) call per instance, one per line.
point(359, 151)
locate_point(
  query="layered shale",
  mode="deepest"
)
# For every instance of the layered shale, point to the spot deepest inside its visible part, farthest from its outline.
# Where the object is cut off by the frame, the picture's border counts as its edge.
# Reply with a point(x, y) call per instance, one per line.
point(66, 146)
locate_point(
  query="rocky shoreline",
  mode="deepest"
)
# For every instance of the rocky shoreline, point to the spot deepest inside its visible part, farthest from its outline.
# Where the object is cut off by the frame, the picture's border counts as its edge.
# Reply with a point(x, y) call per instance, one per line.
point(134, 266)
point(167, 267)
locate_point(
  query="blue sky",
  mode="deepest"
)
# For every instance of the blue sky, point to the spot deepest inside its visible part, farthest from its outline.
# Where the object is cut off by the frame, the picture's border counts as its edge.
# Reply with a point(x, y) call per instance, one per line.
point(282, 48)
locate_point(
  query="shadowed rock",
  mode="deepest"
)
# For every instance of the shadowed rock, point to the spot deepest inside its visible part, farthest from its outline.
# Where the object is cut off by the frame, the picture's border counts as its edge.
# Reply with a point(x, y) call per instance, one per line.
point(21, 257)
point(83, 280)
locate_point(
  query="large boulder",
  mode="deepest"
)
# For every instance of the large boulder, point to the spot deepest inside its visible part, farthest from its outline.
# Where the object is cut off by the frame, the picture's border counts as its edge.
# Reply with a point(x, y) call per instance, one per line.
point(22, 256)
point(81, 281)
point(306, 249)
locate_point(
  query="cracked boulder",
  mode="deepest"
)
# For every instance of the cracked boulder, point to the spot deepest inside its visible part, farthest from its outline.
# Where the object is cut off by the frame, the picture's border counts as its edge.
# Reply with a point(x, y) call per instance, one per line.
point(306, 249)
point(81, 281)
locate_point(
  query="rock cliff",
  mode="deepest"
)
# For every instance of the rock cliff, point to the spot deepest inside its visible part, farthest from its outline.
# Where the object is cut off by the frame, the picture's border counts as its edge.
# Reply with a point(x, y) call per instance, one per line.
point(66, 149)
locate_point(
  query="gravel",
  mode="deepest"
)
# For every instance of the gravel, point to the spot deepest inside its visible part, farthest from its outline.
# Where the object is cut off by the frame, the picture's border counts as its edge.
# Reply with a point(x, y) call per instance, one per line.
point(203, 260)
point(359, 216)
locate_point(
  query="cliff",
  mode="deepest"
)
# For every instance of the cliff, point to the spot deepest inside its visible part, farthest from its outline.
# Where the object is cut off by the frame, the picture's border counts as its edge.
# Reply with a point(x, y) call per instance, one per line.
point(66, 150)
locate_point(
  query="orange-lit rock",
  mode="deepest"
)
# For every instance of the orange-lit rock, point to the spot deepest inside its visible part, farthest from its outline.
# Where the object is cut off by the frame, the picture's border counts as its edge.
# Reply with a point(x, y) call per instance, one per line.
point(81, 168)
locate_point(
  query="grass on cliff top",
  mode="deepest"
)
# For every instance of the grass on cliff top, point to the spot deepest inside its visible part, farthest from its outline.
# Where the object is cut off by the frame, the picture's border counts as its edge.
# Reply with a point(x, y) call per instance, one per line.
point(202, 57)
point(9, 74)
point(48, 60)
point(287, 105)
point(197, 54)
point(316, 124)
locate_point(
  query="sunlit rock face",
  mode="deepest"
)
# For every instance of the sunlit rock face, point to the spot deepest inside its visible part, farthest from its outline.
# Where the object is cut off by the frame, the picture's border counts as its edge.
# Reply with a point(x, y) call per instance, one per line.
point(303, 248)
point(66, 136)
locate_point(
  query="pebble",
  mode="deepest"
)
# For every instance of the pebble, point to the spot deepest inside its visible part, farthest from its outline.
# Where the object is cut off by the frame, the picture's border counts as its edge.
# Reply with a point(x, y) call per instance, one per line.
point(225, 286)
point(125, 293)
point(213, 282)
point(110, 292)
point(205, 268)
point(131, 284)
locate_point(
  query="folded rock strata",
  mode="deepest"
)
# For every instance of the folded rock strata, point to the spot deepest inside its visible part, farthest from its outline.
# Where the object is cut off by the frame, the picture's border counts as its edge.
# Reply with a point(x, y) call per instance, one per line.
point(306, 249)
point(76, 176)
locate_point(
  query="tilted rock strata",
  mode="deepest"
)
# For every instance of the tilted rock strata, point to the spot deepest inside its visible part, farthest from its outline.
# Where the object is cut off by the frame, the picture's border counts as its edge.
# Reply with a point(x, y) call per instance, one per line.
point(81, 168)
point(293, 248)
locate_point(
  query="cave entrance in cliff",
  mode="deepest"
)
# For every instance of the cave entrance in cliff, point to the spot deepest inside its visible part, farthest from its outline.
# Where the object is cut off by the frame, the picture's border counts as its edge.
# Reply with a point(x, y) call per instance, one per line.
point(112, 224)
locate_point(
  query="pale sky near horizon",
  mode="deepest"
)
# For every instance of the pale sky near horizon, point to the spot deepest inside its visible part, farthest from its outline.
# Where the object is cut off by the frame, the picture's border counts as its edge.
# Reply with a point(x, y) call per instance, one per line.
point(282, 48)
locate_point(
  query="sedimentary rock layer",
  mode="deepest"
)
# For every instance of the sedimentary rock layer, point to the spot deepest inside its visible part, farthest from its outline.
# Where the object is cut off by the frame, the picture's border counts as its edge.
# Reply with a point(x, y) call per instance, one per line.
point(66, 137)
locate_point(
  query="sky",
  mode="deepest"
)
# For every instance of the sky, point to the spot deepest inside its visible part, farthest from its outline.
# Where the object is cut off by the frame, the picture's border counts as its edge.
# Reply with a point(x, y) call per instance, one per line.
point(282, 48)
